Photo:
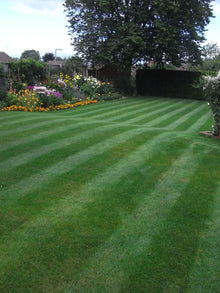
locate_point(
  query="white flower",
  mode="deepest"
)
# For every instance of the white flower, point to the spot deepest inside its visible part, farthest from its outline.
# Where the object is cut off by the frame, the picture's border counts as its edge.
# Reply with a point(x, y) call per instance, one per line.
point(41, 90)
point(60, 81)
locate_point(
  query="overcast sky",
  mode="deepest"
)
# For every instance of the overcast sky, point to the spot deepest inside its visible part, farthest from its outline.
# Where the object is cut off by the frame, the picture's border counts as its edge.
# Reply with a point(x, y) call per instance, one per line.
point(41, 25)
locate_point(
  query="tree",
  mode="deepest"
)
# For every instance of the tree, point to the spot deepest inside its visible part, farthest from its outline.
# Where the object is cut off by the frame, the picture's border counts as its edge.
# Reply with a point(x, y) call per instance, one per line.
point(126, 32)
point(210, 59)
point(27, 71)
point(210, 51)
point(48, 57)
point(30, 54)
point(75, 60)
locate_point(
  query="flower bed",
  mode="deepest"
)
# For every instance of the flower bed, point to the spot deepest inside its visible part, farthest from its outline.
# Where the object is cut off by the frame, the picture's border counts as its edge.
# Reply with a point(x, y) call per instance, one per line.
point(63, 92)
point(50, 108)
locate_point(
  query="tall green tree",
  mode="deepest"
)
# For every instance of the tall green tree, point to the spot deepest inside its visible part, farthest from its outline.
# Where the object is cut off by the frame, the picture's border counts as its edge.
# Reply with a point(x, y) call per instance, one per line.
point(30, 54)
point(210, 51)
point(210, 59)
point(48, 57)
point(124, 32)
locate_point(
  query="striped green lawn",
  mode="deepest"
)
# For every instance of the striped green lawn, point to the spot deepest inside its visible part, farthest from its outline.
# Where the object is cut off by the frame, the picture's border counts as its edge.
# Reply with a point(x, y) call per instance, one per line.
point(120, 196)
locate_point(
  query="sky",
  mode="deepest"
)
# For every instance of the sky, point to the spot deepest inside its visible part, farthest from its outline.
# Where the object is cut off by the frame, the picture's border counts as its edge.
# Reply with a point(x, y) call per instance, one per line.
point(41, 25)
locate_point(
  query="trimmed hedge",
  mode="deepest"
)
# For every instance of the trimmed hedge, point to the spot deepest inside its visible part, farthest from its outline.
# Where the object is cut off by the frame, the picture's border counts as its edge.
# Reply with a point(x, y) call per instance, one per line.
point(168, 83)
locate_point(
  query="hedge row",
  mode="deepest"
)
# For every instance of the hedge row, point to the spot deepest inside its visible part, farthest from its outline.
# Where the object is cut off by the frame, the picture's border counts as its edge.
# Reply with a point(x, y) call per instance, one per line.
point(168, 83)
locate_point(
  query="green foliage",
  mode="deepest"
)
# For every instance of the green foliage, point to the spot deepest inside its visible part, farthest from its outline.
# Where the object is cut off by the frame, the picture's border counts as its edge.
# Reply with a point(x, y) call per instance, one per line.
point(123, 33)
point(2, 73)
point(210, 60)
point(55, 100)
point(90, 86)
point(125, 84)
point(12, 99)
point(210, 51)
point(3, 89)
point(48, 57)
point(75, 60)
point(30, 54)
point(211, 88)
point(26, 71)
point(93, 88)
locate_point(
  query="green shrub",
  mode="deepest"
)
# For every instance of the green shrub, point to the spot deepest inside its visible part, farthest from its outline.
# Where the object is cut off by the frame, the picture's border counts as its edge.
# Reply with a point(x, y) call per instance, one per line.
point(54, 100)
point(125, 84)
point(211, 89)
point(26, 71)
point(12, 99)
point(3, 89)
point(2, 73)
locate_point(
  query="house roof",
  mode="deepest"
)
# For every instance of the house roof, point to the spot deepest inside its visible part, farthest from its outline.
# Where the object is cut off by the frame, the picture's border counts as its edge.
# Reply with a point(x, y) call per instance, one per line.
point(4, 58)
point(55, 63)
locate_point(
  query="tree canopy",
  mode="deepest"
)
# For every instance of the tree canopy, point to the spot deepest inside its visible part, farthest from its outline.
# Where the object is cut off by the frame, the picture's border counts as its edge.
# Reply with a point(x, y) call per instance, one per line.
point(30, 54)
point(211, 59)
point(210, 51)
point(48, 57)
point(27, 71)
point(125, 32)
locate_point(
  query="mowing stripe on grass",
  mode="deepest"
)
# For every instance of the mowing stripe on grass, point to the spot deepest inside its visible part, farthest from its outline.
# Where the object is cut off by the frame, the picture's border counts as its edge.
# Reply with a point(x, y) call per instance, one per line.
point(129, 107)
point(44, 134)
point(174, 247)
point(132, 223)
point(70, 205)
point(31, 126)
point(171, 113)
point(165, 106)
point(27, 117)
point(45, 149)
point(125, 111)
point(115, 110)
point(106, 106)
point(187, 116)
point(18, 120)
point(145, 107)
point(191, 120)
point(205, 274)
point(64, 166)
point(197, 124)
point(11, 115)
point(129, 238)
point(50, 116)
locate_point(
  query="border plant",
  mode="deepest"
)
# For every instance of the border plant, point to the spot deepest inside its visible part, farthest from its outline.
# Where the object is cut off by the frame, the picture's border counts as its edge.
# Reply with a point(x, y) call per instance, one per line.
point(58, 93)
point(211, 88)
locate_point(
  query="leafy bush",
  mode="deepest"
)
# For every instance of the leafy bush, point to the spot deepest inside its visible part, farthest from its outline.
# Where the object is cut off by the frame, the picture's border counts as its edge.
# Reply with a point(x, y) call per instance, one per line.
point(93, 88)
point(125, 84)
point(1, 71)
point(55, 99)
point(211, 88)
point(26, 72)
point(12, 99)
point(3, 89)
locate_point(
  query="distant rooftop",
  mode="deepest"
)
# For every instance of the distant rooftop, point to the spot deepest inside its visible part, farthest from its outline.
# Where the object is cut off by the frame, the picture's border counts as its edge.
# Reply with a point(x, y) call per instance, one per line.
point(4, 58)
point(55, 62)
